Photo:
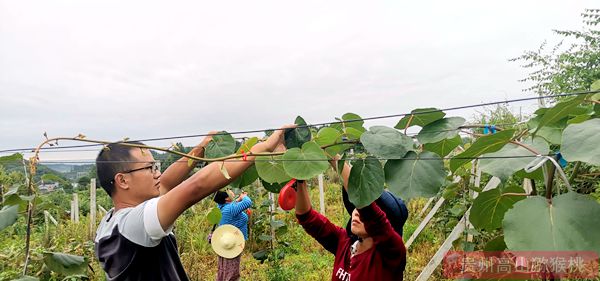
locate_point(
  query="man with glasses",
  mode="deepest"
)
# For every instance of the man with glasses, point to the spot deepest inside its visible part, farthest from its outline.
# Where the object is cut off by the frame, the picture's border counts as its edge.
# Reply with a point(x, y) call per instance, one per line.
point(134, 240)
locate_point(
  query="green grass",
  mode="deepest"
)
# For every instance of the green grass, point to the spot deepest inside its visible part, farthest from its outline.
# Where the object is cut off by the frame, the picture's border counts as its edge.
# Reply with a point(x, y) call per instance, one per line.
point(305, 259)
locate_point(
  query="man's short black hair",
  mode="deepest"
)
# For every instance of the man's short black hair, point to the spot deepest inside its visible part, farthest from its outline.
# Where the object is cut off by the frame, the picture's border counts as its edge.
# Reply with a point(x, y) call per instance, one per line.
point(112, 159)
point(220, 197)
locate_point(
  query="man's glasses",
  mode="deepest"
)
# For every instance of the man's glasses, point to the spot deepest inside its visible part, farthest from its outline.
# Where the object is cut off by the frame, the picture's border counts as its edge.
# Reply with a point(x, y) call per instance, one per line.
point(153, 168)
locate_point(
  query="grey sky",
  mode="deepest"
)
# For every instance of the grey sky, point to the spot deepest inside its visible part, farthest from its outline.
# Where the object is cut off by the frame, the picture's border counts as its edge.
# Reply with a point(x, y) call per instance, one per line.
point(143, 69)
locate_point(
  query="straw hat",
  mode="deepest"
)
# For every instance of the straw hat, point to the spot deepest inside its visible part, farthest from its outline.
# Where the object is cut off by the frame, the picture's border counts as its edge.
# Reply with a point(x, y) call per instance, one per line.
point(228, 241)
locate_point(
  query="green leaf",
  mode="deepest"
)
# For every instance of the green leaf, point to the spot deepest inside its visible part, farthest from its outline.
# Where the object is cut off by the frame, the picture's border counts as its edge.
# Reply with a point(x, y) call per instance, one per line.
point(505, 167)
point(281, 230)
point(305, 163)
point(275, 224)
point(559, 111)
point(356, 125)
point(416, 175)
point(439, 130)
point(296, 137)
point(365, 183)
point(66, 264)
point(272, 187)
point(386, 142)
point(13, 158)
point(553, 132)
point(571, 222)
point(595, 86)
point(8, 216)
point(495, 245)
point(247, 178)
point(261, 255)
point(264, 237)
point(419, 118)
point(214, 216)
point(220, 146)
point(270, 169)
point(328, 136)
point(248, 144)
point(484, 144)
point(581, 142)
point(490, 206)
point(352, 133)
point(535, 175)
point(451, 191)
point(443, 147)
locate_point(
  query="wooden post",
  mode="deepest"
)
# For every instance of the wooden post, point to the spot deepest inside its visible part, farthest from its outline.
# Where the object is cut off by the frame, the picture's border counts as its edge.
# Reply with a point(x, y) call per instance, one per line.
point(72, 211)
point(425, 221)
point(425, 207)
point(92, 208)
point(321, 194)
point(75, 208)
point(455, 234)
point(47, 215)
point(101, 209)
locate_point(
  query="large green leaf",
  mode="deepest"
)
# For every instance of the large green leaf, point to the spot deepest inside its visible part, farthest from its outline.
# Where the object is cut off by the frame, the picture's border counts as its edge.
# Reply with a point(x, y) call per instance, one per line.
point(66, 264)
point(505, 166)
point(220, 146)
point(439, 130)
point(559, 111)
point(8, 216)
point(270, 169)
point(490, 206)
point(416, 175)
point(443, 147)
point(296, 137)
point(247, 178)
point(214, 216)
point(581, 142)
point(305, 163)
point(366, 181)
point(553, 132)
point(571, 222)
point(272, 187)
point(386, 142)
point(420, 117)
point(484, 144)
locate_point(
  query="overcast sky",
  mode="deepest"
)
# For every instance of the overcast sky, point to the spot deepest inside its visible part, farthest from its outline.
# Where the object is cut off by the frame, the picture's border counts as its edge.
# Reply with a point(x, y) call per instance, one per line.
point(144, 69)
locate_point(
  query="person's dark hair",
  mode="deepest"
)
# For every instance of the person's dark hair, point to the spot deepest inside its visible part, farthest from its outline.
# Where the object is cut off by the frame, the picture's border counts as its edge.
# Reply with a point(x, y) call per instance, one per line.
point(220, 197)
point(394, 208)
point(112, 159)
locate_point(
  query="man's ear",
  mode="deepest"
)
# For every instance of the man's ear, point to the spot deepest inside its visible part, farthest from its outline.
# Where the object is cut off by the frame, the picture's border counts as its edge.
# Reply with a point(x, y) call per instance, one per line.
point(121, 182)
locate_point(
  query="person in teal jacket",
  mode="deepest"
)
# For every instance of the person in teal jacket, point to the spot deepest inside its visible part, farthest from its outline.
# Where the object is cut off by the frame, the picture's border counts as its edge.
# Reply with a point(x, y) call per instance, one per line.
point(232, 212)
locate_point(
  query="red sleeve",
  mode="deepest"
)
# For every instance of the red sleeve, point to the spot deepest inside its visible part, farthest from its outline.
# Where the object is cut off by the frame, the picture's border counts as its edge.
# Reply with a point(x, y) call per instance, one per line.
point(386, 239)
point(320, 228)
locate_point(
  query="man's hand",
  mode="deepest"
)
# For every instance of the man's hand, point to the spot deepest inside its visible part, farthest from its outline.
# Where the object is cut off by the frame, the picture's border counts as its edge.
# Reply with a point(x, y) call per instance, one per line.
point(207, 139)
point(278, 137)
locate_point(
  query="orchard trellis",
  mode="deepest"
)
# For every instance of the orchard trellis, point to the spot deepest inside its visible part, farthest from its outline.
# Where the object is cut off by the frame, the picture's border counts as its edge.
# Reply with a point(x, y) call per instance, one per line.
point(422, 166)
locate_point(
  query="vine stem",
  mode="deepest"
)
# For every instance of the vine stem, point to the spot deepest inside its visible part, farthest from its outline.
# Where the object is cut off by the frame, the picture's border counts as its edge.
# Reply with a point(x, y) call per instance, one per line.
point(593, 101)
point(515, 194)
point(35, 159)
point(408, 123)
